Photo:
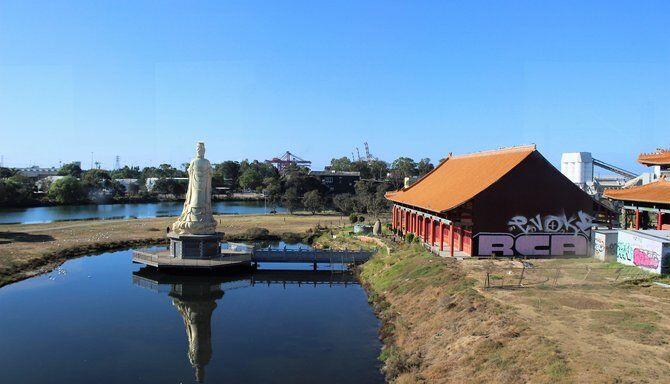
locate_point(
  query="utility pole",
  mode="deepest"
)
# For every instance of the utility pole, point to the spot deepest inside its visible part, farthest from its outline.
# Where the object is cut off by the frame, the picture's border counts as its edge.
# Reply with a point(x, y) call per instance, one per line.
point(117, 163)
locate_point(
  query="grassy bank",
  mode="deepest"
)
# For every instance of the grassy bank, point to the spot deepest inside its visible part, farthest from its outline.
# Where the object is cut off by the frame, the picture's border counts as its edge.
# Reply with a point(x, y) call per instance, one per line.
point(438, 328)
point(440, 325)
point(30, 249)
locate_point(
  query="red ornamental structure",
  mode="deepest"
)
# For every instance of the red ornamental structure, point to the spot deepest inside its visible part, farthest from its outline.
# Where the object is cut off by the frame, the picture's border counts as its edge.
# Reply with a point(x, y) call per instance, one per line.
point(647, 206)
point(504, 202)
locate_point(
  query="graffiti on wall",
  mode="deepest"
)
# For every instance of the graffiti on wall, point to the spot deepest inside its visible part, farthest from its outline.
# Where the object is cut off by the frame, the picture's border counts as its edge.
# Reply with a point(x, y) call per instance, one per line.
point(646, 258)
point(539, 236)
point(579, 224)
point(651, 254)
point(532, 244)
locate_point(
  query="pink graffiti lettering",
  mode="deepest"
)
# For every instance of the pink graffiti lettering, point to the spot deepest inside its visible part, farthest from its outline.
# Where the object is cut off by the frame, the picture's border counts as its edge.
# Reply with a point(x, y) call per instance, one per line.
point(645, 258)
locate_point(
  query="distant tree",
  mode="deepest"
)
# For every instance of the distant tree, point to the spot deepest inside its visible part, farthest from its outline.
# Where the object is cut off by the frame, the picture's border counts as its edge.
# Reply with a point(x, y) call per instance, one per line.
point(424, 166)
point(96, 179)
point(7, 172)
point(15, 191)
point(68, 190)
point(273, 191)
point(126, 173)
point(291, 200)
point(341, 164)
point(167, 186)
point(379, 169)
point(251, 179)
point(313, 201)
point(70, 169)
point(403, 167)
point(344, 203)
point(226, 174)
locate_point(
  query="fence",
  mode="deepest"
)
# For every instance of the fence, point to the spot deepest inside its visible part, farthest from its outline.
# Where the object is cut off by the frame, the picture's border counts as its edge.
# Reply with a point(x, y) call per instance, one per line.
point(532, 276)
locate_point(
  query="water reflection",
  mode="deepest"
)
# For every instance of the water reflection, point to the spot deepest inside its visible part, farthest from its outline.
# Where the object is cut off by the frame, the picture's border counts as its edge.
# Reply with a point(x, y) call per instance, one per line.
point(195, 295)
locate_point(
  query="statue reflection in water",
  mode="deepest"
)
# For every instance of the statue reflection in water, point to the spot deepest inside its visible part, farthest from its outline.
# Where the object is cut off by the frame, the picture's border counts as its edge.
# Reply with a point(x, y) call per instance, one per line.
point(195, 299)
point(195, 296)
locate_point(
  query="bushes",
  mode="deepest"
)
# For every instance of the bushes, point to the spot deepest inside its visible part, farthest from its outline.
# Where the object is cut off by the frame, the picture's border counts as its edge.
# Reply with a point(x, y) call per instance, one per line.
point(409, 237)
point(257, 233)
point(353, 218)
point(68, 190)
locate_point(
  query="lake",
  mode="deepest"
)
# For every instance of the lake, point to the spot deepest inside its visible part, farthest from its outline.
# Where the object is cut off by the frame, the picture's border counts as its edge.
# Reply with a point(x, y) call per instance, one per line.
point(121, 211)
point(104, 319)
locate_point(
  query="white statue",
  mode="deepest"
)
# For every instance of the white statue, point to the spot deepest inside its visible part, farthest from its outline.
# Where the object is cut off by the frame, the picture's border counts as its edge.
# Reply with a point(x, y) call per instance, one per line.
point(197, 218)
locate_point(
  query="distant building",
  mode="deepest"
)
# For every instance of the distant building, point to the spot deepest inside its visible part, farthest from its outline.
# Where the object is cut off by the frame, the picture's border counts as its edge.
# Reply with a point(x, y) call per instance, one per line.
point(337, 182)
point(647, 206)
point(579, 168)
point(506, 202)
point(36, 172)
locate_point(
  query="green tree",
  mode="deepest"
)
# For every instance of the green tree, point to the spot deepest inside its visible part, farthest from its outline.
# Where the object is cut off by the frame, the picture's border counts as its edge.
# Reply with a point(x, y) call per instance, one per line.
point(313, 201)
point(7, 172)
point(403, 167)
point(174, 187)
point(424, 166)
point(291, 200)
point(344, 203)
point(342, 164)
point(273, 191)
point(67, 190)
point(126, 173)
point(96, 179)
point(70, 169)
point(15, 191)
point(226, 174)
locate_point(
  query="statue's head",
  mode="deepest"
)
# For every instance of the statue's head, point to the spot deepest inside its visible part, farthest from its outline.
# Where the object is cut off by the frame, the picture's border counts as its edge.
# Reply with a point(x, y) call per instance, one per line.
point(200, 149)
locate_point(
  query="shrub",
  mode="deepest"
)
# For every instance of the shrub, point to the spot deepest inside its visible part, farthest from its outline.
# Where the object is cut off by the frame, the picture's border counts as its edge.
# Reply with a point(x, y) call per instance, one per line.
point(361, 219)
point(409, 237)
point(353, 218)
point(256, 233)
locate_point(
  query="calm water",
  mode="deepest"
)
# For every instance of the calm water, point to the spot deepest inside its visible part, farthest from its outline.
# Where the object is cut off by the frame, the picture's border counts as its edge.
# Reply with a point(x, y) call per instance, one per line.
point(103, 319)
point(121, 211)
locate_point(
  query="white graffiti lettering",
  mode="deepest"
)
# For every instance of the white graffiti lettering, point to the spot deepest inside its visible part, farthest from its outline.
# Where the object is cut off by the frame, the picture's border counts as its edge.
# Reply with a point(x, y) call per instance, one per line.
point(580, 224)
point(531, 244)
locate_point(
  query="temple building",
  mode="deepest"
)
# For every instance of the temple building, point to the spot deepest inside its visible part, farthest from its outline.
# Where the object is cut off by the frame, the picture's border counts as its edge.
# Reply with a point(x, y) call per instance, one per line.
point(647, 206)
point(505, 202)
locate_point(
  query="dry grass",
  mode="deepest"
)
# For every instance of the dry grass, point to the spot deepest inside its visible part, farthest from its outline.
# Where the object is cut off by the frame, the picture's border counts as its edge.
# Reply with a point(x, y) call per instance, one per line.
point(438, 328)
point(609, 332)
point(29, 249)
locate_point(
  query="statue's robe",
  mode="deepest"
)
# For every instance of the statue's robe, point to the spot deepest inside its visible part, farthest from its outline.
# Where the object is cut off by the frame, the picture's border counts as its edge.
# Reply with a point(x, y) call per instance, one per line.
point(197, 218)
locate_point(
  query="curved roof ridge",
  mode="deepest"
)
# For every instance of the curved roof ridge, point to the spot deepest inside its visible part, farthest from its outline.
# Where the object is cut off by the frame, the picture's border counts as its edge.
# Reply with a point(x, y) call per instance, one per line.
point(519, 148)
point(458, 179)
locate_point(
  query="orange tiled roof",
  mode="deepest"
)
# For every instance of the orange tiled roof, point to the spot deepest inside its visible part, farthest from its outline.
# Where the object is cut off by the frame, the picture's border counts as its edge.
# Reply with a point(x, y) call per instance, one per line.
point(458, 179)
point(660, 157)
point(656, 192)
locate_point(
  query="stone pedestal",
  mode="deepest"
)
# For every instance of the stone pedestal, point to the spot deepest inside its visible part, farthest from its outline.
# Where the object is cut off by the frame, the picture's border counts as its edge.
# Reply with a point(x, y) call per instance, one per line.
point(195, 246)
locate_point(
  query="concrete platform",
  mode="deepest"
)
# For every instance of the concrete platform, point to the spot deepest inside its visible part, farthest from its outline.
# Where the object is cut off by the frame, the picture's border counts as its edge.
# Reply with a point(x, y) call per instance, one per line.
point(163, 259)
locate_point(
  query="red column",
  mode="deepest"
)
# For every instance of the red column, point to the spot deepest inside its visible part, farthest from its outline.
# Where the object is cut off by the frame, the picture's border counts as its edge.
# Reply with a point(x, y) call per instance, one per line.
point(637, 218)
point(432, 232)
point(461, 233)
point(441, 225)
point(659, 220)
point(393, 217)
point(451, 235)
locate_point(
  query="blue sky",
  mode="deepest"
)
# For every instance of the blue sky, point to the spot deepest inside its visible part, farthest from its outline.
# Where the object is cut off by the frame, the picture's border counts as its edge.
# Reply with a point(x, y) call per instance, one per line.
point(146, 79)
